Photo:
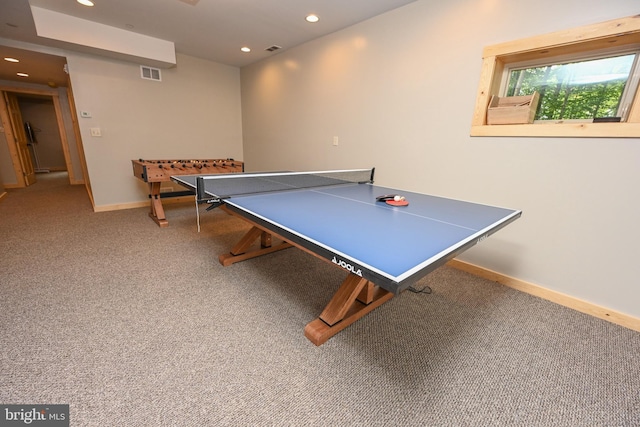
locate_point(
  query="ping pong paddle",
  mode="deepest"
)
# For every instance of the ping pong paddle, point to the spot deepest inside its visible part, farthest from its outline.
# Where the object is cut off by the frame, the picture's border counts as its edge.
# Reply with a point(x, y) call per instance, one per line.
point(393, 200)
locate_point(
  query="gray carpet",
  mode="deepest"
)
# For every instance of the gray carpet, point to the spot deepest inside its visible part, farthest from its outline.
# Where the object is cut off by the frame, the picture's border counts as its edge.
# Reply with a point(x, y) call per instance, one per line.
point(133, 325)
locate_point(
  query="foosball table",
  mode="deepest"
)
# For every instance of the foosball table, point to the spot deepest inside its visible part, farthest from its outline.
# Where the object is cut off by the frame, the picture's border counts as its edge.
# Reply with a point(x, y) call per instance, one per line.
point(155, 172)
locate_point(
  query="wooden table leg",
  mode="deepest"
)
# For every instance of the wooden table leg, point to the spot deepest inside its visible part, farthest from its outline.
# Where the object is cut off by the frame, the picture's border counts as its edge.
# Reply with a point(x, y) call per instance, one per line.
point(243, 251)
point(355, 298)
point(157, 211)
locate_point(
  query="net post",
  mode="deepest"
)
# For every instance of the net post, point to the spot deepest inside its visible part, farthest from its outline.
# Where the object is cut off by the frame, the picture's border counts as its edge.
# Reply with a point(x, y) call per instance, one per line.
point(200, 194)
point(373, 170)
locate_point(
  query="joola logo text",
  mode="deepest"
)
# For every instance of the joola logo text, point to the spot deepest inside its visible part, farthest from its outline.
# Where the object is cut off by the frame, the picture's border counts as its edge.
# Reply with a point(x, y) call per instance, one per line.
point(347, 266)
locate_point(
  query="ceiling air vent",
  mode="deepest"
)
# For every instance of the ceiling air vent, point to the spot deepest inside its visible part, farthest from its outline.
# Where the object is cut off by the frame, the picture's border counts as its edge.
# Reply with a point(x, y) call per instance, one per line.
point(273, 48)
point(149, 73)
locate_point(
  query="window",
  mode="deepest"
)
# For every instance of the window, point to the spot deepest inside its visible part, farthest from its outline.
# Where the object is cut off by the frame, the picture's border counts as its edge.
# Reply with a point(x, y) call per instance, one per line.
point(587, 79)
point(583, 89)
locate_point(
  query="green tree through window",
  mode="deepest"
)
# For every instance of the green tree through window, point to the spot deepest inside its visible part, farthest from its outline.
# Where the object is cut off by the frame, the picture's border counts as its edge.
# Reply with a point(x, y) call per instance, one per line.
point(575, 90)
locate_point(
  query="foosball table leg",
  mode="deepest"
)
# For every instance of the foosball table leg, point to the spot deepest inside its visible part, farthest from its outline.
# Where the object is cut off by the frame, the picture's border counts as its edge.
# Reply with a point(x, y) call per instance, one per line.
point(157, 211)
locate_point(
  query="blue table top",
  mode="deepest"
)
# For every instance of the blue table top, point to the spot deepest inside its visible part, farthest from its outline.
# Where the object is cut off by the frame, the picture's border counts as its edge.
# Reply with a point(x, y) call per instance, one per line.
point(391, 245)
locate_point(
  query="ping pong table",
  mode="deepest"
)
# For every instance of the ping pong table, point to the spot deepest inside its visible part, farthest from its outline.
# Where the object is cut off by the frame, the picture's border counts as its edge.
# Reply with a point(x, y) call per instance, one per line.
point(337, 216)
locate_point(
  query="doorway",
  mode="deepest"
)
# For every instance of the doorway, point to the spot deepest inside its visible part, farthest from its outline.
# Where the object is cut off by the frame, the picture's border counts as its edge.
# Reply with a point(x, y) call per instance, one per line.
point(43, 137)
point(20, 158)
point(40, 135)
point(51, 141)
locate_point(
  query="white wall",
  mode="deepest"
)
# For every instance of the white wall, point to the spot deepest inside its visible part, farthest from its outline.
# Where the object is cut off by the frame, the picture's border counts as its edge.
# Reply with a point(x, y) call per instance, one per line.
point(399, 91)
point(194, 112)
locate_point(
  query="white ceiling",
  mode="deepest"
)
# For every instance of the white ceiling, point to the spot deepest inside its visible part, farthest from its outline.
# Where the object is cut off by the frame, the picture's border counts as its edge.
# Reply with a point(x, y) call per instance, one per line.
point(209, 29)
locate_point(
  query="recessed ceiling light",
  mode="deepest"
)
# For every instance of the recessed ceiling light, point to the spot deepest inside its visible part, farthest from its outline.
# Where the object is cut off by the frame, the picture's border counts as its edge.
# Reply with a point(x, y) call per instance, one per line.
point(11, 59)
point(312, 18)
point(23, 74)
point(85, 2)
point(245, 49)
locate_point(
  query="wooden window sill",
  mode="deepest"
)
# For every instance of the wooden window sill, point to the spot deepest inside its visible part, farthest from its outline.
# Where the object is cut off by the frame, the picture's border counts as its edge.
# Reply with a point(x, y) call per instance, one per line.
point(586, 130)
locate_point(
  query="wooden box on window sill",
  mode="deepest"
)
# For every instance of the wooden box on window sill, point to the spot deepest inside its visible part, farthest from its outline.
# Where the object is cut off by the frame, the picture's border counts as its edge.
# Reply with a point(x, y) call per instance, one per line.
point(511, 110)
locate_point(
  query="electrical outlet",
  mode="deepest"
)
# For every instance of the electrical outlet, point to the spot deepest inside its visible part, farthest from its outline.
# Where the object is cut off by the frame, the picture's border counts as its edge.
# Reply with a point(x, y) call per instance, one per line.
point(96, 132)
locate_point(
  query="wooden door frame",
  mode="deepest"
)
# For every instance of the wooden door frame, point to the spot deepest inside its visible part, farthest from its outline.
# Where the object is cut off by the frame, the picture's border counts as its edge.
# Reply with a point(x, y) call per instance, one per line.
point(11, 144)
point(79, 145)
point(19, 137)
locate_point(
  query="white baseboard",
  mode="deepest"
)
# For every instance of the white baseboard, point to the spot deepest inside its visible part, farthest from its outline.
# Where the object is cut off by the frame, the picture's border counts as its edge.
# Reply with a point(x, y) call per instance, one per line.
point(559, 298)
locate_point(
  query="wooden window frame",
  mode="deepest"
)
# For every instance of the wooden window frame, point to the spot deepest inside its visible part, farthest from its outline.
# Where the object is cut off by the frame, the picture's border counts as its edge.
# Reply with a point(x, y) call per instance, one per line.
point(619, 32)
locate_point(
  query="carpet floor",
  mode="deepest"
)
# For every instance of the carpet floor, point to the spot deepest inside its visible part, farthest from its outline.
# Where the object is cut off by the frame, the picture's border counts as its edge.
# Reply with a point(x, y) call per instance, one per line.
point(134, 325)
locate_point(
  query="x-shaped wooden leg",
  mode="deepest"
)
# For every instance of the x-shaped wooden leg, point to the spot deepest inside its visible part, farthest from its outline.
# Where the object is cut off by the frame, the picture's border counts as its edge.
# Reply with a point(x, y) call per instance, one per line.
point(355, 298)
point(243, 251)
point(157, 211)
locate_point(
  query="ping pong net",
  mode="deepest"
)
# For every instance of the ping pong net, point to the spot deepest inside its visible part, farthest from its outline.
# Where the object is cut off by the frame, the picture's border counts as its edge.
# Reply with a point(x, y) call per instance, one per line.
point(213, 189)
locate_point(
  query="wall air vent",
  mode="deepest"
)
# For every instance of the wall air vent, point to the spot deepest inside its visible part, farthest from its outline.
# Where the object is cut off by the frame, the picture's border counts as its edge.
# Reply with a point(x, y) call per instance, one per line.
point(150, 73)
point(273, 48)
